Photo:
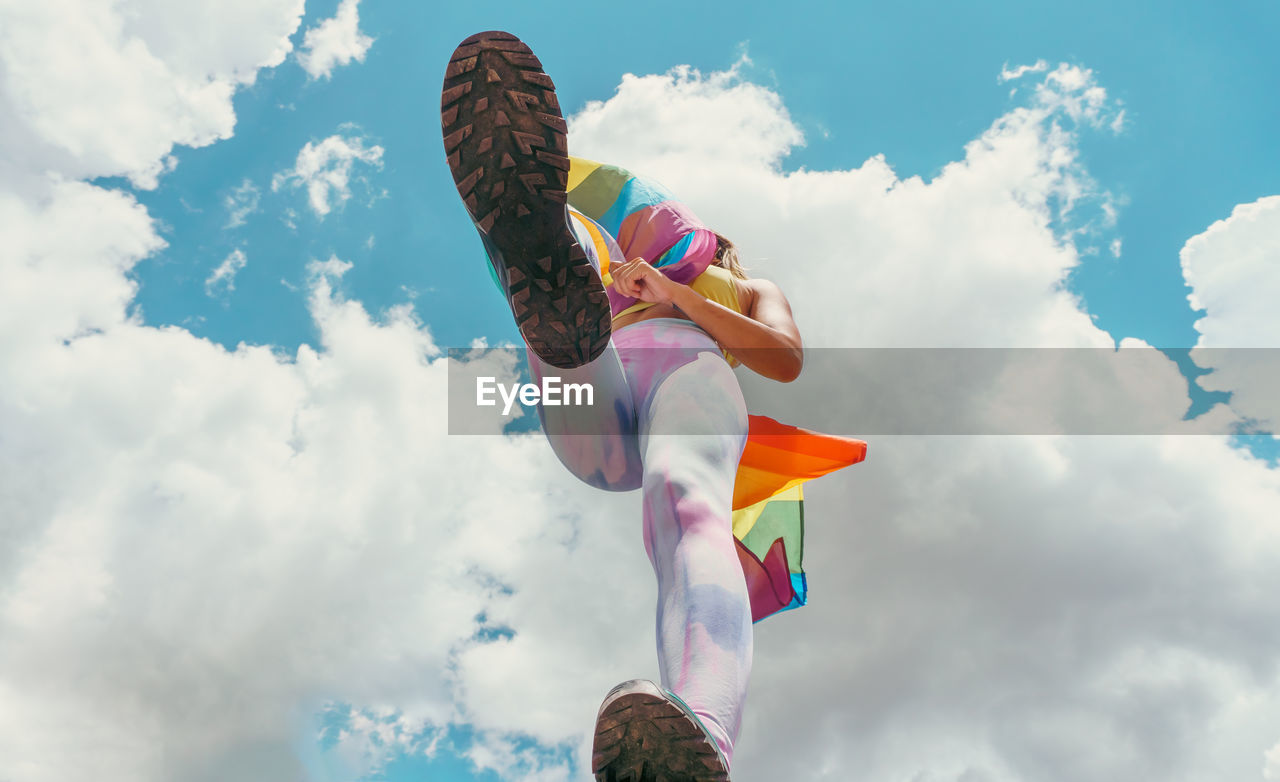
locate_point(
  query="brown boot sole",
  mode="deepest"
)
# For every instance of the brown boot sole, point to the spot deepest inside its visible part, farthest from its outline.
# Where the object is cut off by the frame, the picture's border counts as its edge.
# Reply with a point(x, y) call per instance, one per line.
point(505, 140)
point(641, 736)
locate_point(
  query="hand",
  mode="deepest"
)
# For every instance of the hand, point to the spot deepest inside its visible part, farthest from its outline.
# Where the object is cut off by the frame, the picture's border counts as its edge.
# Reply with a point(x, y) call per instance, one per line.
point(637, 279)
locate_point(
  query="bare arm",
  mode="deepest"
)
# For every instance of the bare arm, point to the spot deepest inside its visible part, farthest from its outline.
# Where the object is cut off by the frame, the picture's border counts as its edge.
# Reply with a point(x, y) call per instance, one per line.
point(765, 339)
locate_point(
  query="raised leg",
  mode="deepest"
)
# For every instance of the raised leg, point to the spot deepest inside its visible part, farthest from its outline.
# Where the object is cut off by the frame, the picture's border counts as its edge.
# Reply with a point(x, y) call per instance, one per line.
point(597, 443)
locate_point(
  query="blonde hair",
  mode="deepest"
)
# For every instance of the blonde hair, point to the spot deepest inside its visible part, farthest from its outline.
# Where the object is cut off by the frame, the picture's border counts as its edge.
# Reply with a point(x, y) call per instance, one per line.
point(727, 257)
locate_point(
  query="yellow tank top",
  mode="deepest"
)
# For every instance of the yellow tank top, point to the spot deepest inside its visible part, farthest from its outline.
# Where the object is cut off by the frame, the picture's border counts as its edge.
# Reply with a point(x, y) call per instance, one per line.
point(716, 284)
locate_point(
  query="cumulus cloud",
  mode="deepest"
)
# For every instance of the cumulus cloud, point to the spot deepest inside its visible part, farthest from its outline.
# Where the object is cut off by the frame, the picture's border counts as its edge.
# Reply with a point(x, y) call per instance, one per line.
point(205, 545)
point(723, 100)
point(109, 89)
point(57, 293)
point(983, 608)
point(333, 42)
point(325, 170)
point(179, 592)
point(1233, 270)
point(223, 278)
point(156, 619)
point(863, 227)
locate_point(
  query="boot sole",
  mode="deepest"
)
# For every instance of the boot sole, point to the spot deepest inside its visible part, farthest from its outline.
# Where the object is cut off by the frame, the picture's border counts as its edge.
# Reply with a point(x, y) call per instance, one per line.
point(641, 736)
point(505, 140)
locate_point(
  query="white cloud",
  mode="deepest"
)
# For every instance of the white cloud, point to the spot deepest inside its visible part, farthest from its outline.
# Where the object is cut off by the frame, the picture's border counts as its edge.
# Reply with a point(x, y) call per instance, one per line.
point(223, 279)
point(361, 742)
point(77, 243)
point(1070, 91)
point(501, 755)
point(1271, 772)
point(242, 202)
point(325, 169)
point(1233, 270)
point(210, 544)
point(761, 127)
point(109, 89)
point(1009, 74)
point(334, 42)
point(983, 608)
point(175, 593)
point(1118, 124)
point(863, 227)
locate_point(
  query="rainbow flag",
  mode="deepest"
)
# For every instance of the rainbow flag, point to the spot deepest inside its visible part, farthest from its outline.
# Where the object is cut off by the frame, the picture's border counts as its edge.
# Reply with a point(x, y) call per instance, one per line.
point(644, 218)
point(768, 506)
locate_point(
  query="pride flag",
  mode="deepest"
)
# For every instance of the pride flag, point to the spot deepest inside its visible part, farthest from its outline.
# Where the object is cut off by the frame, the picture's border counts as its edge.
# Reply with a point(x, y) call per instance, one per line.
point(768, 506)
point(644, 218)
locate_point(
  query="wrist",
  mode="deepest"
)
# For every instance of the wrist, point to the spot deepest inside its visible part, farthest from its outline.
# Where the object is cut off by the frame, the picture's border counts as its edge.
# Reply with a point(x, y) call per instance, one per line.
point(681, 296)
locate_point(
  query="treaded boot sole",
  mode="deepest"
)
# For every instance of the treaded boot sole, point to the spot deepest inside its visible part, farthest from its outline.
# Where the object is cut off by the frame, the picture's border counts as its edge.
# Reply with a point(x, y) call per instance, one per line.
point(643, 737)
point(505, 141)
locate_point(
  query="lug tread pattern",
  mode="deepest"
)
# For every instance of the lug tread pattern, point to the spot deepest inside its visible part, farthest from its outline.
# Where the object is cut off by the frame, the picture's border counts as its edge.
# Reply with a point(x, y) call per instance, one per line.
point(645, 738)
point(505, 141)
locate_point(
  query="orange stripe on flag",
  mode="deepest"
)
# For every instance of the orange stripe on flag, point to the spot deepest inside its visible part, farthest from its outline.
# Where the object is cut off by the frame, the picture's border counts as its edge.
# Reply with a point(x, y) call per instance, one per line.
point(778, 456)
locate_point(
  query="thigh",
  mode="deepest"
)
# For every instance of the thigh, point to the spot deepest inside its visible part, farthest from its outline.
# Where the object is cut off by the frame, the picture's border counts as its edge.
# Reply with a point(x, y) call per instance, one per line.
point(597, 442)
point(693, 427)
point(690, 413)
point(679, 380)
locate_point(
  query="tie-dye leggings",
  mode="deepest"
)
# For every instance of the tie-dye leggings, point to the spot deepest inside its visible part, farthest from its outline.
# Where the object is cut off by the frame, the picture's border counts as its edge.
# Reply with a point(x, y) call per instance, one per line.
point(668, 418)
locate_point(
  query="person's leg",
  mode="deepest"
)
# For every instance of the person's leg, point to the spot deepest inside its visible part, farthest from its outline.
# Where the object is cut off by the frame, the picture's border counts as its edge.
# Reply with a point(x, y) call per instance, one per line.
point(506, 146)
point(597, 443)
point(693, 426)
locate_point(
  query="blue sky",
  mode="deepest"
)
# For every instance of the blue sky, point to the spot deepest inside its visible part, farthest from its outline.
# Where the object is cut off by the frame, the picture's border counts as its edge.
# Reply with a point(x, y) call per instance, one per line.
point(913, 82)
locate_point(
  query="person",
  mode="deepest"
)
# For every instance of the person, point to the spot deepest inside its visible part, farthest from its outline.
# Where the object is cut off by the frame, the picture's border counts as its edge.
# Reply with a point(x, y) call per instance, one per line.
point(655, 330)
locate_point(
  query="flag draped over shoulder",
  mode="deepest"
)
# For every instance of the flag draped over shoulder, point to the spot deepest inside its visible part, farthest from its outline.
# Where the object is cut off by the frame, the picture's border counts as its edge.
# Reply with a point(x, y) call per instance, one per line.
point(645, 219)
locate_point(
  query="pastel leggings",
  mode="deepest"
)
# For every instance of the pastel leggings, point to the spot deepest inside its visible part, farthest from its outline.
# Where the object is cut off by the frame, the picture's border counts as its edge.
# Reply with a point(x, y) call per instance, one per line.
point(668, 418)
